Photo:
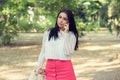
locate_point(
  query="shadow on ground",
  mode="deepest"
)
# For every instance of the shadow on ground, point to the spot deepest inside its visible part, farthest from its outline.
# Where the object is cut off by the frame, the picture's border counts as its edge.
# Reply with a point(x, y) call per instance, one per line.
point(98, 57)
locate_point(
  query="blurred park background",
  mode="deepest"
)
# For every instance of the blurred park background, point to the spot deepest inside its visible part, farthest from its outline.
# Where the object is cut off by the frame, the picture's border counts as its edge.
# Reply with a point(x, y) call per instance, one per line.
point(22, 23)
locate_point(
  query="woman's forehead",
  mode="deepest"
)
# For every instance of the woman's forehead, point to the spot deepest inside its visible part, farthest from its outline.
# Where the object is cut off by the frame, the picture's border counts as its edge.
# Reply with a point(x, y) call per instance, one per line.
point(63, 14)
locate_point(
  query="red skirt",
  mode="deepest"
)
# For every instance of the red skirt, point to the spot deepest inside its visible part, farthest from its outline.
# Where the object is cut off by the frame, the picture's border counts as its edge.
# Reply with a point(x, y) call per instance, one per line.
point(59, 70)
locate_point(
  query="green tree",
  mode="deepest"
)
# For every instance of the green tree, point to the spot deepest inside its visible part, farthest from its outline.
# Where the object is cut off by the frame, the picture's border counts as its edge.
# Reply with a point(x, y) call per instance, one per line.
point(88, 11)
point(53, 6)
point(114, 16)
point(114, 5)
point(11, 13)
point(27, 15)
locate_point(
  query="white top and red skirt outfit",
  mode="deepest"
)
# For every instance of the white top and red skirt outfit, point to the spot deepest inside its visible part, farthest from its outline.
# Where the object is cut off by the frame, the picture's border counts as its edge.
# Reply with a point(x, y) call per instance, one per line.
point(57, 53)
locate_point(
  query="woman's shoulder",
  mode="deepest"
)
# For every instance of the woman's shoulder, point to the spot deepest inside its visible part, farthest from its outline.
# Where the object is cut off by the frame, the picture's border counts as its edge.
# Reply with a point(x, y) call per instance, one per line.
point(47, 31)
point(71, 33)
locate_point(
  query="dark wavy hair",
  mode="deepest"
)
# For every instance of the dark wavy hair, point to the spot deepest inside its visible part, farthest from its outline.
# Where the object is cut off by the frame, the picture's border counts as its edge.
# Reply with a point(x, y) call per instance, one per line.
point(72, 26)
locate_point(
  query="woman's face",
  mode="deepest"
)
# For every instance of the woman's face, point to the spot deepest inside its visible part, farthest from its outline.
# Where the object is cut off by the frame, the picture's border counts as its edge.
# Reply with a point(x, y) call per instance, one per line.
point(62, 20)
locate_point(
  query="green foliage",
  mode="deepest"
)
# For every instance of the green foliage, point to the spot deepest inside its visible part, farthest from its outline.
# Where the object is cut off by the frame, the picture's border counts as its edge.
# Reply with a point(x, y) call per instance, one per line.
point(80, 24)
point(10, 11)
point(88, 11)
point(114, 16)
point(115, 8)
point(39, 15)
point(55, 5)
point(24, 25)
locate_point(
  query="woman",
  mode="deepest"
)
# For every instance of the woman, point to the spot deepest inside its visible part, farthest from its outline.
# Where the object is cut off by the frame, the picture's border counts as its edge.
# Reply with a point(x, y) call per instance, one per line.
point(58, 44)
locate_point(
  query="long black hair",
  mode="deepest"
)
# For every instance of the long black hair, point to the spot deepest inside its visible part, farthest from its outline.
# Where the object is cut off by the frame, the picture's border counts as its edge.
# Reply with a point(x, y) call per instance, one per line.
point(72, 26)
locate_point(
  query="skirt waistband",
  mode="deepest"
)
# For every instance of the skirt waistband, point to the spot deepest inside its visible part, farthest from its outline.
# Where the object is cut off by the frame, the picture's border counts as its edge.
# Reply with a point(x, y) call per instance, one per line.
point(57, 60)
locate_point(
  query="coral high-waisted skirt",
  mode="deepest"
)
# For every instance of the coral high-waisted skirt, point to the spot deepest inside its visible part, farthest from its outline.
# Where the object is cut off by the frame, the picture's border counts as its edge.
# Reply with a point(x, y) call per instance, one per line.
point(59, 70)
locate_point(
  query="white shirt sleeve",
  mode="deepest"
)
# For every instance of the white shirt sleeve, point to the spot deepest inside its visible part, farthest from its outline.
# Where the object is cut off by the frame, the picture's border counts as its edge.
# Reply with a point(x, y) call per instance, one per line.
point(69, 42)
point(41, 57)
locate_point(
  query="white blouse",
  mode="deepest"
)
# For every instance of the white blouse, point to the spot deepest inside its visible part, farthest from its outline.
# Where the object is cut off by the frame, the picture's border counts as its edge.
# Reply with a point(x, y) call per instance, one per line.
point(59, 48)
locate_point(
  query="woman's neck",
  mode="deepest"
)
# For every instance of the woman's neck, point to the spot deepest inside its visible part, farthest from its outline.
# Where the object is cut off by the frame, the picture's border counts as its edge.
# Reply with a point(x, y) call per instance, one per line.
point(62, 29)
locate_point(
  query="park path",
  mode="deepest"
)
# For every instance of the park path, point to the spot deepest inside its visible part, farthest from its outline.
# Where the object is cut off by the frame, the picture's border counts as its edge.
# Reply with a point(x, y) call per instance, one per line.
point(98, 58)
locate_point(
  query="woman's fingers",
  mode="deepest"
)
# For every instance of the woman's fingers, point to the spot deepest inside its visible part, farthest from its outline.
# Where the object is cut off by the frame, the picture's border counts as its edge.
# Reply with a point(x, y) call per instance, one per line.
point(41, 71)
point(66, 27)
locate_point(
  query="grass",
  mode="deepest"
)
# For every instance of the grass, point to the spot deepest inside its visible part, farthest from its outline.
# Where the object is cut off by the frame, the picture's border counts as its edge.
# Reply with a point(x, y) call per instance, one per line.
point(97, 58)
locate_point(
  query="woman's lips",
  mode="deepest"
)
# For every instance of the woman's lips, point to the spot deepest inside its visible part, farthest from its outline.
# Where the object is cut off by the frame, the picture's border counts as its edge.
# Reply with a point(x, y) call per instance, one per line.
point(60, 24)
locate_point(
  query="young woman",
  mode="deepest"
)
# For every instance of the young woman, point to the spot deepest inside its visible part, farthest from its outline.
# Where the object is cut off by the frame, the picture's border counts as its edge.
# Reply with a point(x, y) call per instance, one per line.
point(58, 44)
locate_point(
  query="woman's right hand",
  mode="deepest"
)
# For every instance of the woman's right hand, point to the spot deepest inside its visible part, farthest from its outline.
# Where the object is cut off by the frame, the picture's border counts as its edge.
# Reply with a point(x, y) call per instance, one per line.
point(41, 71)
point(66, 27)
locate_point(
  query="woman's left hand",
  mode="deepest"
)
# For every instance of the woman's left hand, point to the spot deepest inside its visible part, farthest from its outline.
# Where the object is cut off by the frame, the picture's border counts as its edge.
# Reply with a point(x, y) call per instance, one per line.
point(41, 71)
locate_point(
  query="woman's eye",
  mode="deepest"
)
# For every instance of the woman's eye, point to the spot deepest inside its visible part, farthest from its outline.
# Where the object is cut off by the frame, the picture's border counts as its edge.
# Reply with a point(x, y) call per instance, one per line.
point(65, 19)
point(59, 17)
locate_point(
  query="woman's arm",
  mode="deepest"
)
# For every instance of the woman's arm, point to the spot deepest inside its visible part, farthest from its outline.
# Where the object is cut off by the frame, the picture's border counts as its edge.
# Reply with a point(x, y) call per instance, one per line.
point(69, 42)
point(41, 58)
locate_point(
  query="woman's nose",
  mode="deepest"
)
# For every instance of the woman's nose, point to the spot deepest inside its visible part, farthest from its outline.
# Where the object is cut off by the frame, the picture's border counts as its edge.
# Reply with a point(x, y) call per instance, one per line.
point(61, 20)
